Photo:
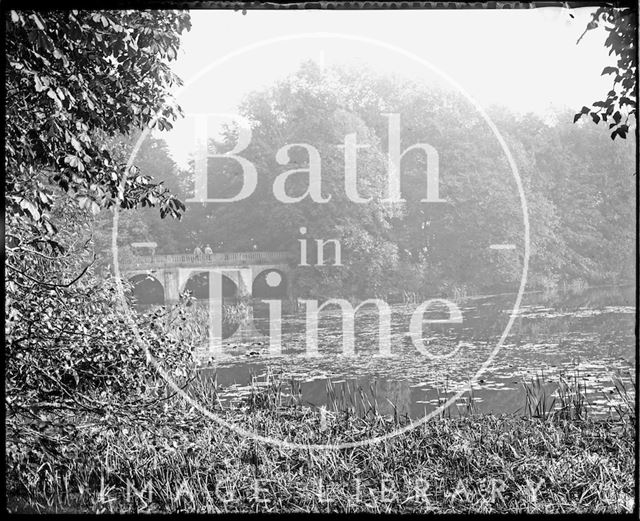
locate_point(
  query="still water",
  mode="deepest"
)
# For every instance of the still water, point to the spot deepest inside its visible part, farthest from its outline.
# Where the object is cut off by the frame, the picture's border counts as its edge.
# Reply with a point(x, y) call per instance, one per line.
point(589, 333)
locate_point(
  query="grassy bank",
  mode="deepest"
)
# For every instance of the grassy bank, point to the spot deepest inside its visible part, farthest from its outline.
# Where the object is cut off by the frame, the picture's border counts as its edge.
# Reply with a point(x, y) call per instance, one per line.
point(172, 459)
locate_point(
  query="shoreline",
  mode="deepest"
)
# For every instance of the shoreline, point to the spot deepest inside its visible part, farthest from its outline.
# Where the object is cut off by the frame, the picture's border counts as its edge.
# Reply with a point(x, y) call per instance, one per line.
point(171, 459)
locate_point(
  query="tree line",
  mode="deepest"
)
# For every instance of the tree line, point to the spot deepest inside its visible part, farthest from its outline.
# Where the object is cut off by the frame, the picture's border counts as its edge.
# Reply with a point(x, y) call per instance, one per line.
point(578, 188)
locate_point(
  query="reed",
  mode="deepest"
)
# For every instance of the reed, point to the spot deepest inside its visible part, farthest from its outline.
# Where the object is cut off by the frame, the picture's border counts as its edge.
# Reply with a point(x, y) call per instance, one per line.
point(552, 459)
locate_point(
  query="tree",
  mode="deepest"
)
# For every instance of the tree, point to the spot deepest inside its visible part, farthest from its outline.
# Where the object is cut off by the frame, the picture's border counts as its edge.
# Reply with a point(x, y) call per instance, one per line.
point(416, 246)
point(581, 222)
point(145, 223)
point(620, 103)
point(71, 78)
point(308, 107)
point(76, 82)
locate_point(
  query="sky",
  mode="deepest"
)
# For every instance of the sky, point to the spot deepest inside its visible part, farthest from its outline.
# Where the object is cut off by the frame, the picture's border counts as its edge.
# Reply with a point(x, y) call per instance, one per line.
point(526, 60)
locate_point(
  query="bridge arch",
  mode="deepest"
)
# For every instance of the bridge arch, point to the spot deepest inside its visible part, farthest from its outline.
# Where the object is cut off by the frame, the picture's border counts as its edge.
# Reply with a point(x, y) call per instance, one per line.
point(270, 284)
point(198, 284)
point(147, 289)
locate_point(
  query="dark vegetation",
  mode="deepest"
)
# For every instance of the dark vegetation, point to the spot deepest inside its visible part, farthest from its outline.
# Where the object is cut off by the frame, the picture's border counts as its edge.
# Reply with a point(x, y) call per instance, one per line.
point(578, 187)
point(551, 460)
point(85, 412)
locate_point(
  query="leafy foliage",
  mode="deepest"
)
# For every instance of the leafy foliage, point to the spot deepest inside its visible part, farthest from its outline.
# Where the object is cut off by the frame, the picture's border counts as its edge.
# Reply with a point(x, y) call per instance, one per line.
point(579, 210)
point(69, 346)
point(76, 83)
point(70, 77)
point(621, 101)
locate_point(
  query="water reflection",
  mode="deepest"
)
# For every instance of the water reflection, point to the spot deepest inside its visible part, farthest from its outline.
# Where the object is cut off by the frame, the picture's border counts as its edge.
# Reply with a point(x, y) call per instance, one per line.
point(590, 332)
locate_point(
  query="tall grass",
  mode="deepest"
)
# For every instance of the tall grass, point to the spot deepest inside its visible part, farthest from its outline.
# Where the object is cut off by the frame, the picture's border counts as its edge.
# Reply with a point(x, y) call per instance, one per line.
point(622, 405)
point(566, 398)
point(175, 460)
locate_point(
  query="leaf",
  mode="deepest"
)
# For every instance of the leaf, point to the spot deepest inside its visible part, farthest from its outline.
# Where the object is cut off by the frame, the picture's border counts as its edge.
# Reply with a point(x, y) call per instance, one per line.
point(38, 21)
point(620, 131)
point(39, 85)
point(31, 208)
point(83, 202)
point(43, 197)
point(72, 160)
point(609, 70)
point(595, 117)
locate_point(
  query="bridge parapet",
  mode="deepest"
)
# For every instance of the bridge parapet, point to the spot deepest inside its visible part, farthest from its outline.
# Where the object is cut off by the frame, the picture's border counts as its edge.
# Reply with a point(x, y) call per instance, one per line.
point(212, 259)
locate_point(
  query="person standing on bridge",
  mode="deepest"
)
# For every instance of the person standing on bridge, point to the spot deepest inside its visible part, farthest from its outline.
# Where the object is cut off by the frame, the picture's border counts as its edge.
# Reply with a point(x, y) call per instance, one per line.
point(197, 251)
point(208, 250)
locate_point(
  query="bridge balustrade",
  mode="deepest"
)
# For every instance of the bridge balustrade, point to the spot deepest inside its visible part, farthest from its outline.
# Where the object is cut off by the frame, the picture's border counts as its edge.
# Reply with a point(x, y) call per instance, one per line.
point(213, 259)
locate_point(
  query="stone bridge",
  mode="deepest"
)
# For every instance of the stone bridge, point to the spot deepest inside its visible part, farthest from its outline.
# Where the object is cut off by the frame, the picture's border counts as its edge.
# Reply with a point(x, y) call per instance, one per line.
point(162, 278)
